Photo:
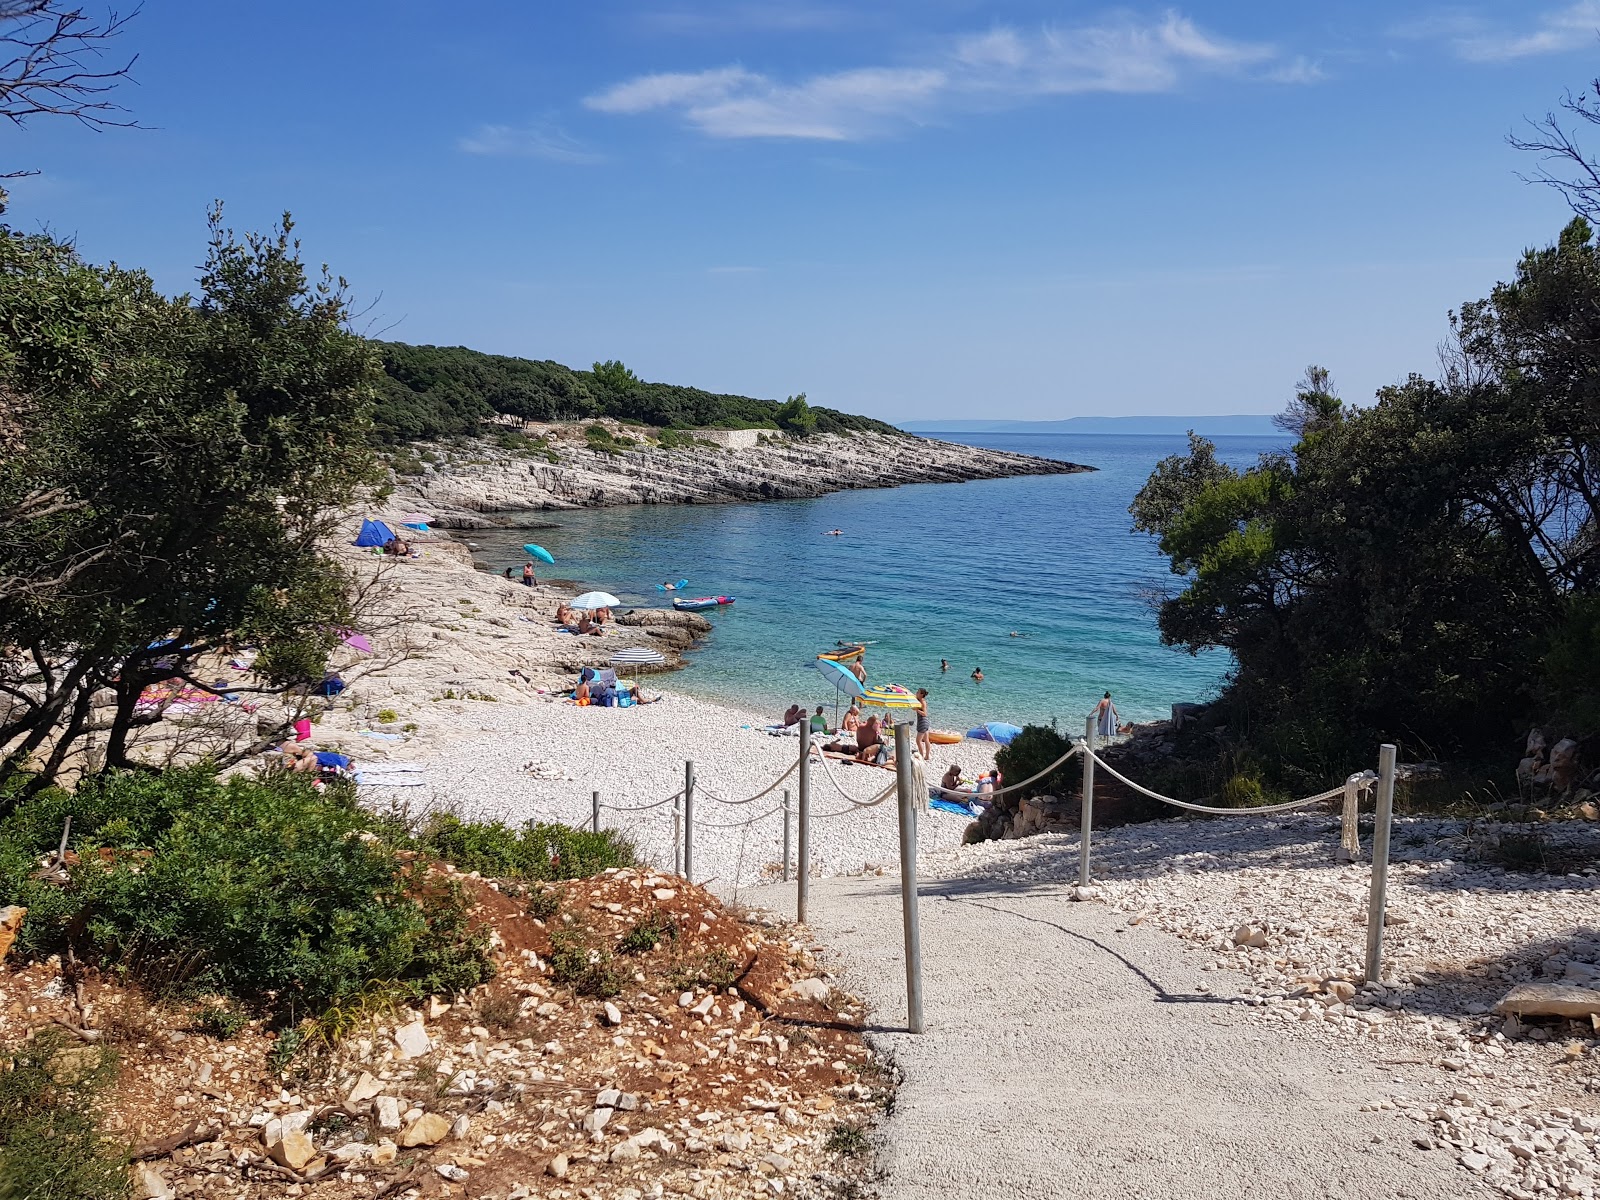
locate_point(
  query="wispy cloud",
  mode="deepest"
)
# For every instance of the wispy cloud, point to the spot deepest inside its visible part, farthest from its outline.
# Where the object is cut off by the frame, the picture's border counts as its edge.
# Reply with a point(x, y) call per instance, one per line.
point(1473, 38)
point(1004, 64)
point(528, 141)
point(719, 19)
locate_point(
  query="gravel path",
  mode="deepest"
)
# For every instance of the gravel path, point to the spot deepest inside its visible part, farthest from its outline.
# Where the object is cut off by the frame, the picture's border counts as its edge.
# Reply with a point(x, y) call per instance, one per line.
point(1070, 1053)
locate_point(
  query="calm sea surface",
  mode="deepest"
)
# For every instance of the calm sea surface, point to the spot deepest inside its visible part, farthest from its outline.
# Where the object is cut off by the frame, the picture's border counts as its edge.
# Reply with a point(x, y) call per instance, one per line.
point(925, 572)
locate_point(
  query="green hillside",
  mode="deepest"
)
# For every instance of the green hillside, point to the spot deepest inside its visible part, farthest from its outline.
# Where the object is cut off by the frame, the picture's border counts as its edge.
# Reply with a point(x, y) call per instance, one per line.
point(438, 391)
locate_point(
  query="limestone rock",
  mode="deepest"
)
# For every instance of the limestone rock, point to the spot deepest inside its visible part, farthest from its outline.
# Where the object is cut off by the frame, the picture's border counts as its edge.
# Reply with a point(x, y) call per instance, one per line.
point(611, 1014)
point(596, 1121)
point(427, 1130)
point(1547, 999)
point(810, 989)
point(451, 1172)
point(557, 1167)
point(384, 1153)
point(148, 1183)
point(1564, 764)
point(412, 1040)
point(293, 1150)
point(364, 1089)
point(388, 1110)
point(10, 925)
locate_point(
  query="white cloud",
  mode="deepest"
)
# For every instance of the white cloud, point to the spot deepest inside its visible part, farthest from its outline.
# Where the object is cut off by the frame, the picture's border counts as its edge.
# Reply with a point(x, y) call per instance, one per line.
point(528, 141)
point(1118, 55)
point(1471, 37)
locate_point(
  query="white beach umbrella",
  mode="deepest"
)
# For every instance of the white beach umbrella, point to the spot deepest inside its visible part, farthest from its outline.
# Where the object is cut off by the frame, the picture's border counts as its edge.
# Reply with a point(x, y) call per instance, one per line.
point(595, 600)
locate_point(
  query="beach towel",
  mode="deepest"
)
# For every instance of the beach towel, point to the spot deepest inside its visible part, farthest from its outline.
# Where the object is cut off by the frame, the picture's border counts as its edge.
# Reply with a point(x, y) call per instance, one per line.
point(302, 730)
point(951, 806)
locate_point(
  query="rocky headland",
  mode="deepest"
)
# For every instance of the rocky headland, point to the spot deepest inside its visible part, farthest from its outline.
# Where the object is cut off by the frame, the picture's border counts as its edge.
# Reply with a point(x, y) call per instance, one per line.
point(464, 487)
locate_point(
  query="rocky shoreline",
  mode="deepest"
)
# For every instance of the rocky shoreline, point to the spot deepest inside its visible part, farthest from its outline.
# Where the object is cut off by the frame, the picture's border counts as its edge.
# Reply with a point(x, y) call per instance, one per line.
point(465, 488)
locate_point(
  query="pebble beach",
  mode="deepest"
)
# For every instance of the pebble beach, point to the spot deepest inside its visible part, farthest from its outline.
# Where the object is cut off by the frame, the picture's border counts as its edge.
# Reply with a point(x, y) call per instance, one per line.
point(470, 717)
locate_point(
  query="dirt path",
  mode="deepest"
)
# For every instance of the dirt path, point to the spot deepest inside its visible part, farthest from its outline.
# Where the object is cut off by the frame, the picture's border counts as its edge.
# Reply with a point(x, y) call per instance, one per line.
point(1071, 1055)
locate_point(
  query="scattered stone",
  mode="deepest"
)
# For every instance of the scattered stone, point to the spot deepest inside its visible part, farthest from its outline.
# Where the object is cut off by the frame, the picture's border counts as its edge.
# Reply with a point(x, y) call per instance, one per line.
point(366, 1087)
point(451, 1172)
point(11, 925)
point(810, 989)
point(596, 1120)
point(388, 1111)
point(611, 1014)
point(384, 1153)
point(557, 1167)
point(413, 1040)
point(148, 1183)
point(665, 893)
point(1540, 999)
point(427, 1130)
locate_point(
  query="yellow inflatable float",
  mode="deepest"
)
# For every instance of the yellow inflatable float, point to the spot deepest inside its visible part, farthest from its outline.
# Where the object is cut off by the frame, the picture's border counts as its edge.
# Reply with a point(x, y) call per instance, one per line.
point(943, 737)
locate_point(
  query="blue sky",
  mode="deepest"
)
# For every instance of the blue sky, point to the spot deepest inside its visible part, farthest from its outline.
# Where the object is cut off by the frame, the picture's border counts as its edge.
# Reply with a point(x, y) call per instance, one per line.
point(912, 209)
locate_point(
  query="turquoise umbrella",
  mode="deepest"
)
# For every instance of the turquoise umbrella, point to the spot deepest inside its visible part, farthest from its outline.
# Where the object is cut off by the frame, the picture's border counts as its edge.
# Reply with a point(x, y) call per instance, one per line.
point(842, 679)
point(540, 552)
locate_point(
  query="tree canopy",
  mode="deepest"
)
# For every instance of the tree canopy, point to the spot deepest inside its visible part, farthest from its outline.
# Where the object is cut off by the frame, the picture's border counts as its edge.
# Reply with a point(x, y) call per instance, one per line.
point(170, 465)
point(437, 391)
point(1426, 569)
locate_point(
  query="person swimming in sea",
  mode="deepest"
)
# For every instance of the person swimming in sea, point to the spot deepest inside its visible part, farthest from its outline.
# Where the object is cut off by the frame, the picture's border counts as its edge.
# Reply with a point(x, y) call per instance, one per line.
point(944, 664)
point(977, 674)
point(669, 587)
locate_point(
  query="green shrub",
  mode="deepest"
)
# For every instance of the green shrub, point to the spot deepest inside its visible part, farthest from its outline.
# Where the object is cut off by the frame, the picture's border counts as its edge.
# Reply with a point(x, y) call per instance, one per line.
point(1030, 752)
point(547, 852)
point(648, 934)
point(270, 891)
point(51, 1144)
point(588, 970)
point(386, 715)
point(1243, 791)
point(220, 1022)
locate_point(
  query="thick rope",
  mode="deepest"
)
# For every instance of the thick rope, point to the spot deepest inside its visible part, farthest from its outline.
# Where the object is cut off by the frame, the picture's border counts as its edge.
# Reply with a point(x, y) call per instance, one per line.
point(1319, 798)
point(1010, 787)
point(857, 805)
point(837, 786)
point(766, 791)
point(640, 807)
point(736, 824)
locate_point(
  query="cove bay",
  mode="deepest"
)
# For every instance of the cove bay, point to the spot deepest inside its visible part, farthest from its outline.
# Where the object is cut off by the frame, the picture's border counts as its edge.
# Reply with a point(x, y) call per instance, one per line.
point(924, 572)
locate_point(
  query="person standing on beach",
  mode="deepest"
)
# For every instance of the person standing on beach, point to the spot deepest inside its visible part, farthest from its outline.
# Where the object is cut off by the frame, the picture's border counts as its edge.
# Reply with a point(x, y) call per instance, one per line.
point(1105, 717)
point(527, 574)
point(924, 726)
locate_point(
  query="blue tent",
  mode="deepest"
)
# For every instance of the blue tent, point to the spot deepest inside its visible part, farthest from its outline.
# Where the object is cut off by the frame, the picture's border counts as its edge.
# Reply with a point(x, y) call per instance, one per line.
point(374, 533)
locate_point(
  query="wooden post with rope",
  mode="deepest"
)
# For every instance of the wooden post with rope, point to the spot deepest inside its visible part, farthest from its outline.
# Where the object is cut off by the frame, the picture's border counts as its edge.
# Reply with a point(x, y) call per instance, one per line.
point(907, 804)
point(1086, 813)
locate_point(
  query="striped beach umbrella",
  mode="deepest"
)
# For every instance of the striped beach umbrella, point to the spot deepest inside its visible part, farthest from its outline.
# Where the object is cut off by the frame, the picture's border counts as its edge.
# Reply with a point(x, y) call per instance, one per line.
point(893, 697)
point(638, 656)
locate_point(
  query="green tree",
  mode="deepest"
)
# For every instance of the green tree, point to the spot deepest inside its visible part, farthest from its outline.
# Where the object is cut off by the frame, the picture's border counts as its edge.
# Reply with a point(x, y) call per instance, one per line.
point(795, 416)
point(1417, 570)
point(175, 461)
point(616, 377)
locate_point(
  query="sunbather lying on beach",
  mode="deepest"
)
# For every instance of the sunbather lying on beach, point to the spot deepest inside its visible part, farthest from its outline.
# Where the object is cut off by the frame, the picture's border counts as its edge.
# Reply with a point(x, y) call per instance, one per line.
point(564, 613)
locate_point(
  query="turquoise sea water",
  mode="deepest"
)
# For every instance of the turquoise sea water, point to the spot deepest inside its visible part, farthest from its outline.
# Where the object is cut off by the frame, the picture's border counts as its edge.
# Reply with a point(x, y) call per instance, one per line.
point(926, 572)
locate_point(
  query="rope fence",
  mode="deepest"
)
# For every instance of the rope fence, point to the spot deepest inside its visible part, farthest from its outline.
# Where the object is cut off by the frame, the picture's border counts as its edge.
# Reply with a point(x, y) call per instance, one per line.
point(912, 790)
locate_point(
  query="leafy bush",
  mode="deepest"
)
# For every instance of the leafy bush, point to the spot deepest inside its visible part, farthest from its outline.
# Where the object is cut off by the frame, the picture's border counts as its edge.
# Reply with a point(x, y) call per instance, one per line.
point(270, 891)
point(648, 934)
point(51, 1143)
point(220, 1022)
point(1030, 752)
point(1243, 791)
point(536, 851)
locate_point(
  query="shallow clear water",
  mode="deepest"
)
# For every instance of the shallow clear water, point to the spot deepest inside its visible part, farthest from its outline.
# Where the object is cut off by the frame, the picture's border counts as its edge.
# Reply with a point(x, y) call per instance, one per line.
point(925, 572)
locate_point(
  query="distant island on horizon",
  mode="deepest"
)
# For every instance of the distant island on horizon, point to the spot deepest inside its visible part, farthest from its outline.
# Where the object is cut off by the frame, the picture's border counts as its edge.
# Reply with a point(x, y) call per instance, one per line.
point(1237, 425)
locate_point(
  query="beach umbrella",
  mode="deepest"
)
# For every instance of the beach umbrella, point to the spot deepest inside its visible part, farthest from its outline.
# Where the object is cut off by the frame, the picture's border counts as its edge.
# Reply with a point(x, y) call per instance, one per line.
point(891, 696)
point(638, 656)
point(595, 600)
point(541, 553)
point(995, 731)
point(843, 680)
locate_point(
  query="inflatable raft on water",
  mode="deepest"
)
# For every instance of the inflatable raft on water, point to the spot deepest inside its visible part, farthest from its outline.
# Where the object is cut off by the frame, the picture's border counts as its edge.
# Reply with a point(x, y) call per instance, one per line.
point(700, 602)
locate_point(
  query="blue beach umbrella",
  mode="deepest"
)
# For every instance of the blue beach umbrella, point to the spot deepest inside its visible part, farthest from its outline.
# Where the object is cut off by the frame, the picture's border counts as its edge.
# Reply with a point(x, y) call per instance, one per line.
point(843, 681)
point(541, 553)
point(995, 731)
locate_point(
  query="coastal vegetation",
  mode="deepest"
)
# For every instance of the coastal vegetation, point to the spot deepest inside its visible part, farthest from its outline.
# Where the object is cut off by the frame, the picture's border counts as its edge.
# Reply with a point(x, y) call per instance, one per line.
point(170, 465)
point(429, 392)
point(1423, 570)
